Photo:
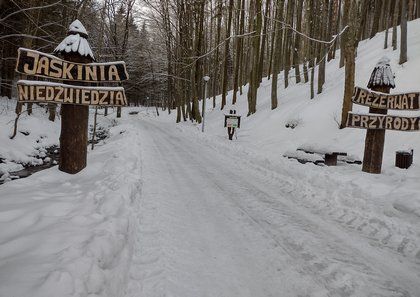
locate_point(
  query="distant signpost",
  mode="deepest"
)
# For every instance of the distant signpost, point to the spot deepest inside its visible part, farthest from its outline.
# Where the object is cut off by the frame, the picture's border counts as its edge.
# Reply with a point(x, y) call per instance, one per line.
point(232, 122)
point(377, 120)
point(77, 70)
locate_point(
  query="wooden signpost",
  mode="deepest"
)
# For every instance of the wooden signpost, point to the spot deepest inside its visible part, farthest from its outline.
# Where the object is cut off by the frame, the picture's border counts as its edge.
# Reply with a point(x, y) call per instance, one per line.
point(41, 91)
point(388, 122)
point(232, 121)
point(78, 71)
point(408, 101)
point(39, 64)
point(377, 121)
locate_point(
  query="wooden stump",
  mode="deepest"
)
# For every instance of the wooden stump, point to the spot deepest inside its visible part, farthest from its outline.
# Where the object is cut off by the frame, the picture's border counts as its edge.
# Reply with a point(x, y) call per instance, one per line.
point(74, 129)
point(331, 159)
point(374, 142)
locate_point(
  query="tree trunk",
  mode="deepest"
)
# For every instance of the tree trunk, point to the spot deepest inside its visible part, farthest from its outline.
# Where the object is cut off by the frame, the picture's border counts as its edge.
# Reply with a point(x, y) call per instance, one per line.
point(349, 52)
point(238, 50)
point(288, 42)
point(376, 18)
point(403, 49)
point(51, 110)
point(394, 25)
point(296, 50)
point(254, 79)
point(277, 53)
point(225, 62)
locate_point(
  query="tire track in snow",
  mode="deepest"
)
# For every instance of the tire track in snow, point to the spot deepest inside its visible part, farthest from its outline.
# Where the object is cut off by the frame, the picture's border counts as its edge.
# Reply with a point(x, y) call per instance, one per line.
point(334, 265)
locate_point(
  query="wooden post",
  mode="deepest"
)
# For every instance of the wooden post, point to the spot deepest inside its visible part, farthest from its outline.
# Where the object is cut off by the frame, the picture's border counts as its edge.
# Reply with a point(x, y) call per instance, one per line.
point(381, 80)
point(74, 128)
point(74, 118)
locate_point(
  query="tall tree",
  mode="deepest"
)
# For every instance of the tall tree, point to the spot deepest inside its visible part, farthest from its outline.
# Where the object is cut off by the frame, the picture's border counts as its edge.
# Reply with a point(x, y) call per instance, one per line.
point(350, 40)
point(226, 55)
point(403, 46)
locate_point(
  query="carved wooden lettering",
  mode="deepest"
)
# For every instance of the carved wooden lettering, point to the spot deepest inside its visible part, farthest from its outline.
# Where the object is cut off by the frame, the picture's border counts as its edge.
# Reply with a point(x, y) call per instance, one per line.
point(35, 63)
point(407, 101)
point(388, 122)
point(38, 91)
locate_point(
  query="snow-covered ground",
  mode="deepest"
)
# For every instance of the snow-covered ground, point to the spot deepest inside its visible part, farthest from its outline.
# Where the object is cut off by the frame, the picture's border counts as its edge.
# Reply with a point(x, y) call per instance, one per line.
point(72, 235)
point(165, 210)
point(24, 149)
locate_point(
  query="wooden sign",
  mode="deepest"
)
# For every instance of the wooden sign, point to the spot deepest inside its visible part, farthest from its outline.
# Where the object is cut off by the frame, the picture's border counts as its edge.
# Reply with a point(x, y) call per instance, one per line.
point(48, 92)
point(35, 63)
point(388, 122)
point(408, 101)
point(232, 121)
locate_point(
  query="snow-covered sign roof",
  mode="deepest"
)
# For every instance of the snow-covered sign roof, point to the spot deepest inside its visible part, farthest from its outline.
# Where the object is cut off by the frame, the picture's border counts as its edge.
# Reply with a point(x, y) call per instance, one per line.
point(76, 41)
point(77, 27)
point(382, 75)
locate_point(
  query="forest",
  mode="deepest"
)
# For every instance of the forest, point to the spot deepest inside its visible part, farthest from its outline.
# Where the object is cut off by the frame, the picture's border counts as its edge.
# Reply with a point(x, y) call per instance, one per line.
point(169, 45)
point(209, 148)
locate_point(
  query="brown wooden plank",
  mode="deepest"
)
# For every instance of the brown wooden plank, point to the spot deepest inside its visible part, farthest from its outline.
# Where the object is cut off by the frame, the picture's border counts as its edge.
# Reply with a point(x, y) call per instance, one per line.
point(46, 92)
point(380, 122)
point(30, 62)
point(403, 101)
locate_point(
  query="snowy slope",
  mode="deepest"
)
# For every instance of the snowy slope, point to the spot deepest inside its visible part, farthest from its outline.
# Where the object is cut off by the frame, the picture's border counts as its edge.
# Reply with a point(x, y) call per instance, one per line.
point(385, 207)
point(317, 118)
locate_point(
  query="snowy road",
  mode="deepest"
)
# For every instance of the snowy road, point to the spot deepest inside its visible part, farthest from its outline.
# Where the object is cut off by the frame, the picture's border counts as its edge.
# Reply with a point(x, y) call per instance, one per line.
point(214, 225)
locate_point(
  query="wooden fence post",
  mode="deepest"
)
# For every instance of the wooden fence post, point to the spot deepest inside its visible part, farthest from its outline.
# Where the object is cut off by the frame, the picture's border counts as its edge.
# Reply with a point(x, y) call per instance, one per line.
point(381, 80)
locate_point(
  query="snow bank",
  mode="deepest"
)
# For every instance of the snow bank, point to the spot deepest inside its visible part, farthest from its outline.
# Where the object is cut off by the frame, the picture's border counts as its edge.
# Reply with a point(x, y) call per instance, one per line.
point(72, 235)
point(35, 133)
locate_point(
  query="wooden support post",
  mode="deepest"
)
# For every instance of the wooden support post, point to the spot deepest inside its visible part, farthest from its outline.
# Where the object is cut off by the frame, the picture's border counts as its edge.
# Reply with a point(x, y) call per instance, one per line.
point(375, 140)
point(231, 131)
point(74, 128)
